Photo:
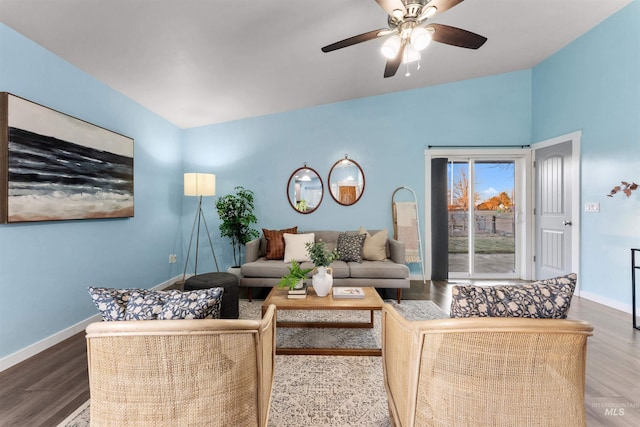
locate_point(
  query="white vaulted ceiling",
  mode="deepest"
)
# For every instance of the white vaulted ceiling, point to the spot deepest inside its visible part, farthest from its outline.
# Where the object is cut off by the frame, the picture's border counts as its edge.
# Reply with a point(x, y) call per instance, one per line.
point(199, 62)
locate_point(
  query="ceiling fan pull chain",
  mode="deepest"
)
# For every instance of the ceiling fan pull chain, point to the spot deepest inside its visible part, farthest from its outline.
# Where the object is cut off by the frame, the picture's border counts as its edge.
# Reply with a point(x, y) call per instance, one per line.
point(406, 61)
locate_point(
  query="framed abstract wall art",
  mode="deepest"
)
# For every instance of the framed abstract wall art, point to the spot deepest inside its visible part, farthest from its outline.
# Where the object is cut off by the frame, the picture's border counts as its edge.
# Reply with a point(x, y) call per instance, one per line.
point(56, 167)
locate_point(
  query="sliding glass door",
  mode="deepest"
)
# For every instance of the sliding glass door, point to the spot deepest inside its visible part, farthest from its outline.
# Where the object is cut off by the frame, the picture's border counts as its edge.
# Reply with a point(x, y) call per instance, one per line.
point(481, 213)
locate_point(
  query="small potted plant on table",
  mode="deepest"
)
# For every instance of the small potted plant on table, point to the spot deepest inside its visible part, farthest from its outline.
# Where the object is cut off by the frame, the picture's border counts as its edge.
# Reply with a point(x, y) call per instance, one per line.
point(322, 259)
point(295, 278)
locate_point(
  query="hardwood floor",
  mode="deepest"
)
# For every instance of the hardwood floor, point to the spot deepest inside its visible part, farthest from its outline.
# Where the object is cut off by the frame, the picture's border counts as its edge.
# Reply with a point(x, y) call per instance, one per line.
point(45, 389)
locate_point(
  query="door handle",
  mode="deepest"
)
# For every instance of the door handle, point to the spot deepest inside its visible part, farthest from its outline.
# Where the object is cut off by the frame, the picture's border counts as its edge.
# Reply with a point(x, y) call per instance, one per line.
point(566, 223)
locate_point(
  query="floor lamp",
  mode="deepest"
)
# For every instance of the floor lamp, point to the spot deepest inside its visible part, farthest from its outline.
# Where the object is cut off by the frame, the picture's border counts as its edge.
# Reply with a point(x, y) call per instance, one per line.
point(199, 185)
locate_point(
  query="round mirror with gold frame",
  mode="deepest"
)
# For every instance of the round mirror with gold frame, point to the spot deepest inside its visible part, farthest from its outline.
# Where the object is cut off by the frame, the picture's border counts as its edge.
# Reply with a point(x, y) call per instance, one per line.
point(346, 181)
point(305, 190)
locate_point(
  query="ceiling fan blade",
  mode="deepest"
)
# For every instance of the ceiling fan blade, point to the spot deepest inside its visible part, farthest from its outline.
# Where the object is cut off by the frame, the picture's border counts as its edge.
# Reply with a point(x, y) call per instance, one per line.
point(355, 40)
point(391, 6)
point(442, 5)
point(393, 64)
point(456, 36)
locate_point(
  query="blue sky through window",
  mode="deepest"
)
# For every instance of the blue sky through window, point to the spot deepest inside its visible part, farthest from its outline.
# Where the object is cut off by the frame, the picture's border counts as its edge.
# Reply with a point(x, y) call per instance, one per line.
point(491, 178)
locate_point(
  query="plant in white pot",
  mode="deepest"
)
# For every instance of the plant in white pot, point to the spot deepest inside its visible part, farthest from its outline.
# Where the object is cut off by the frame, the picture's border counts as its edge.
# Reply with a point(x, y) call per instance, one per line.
point(322, 258)
point(236, 212)
point(295, 278)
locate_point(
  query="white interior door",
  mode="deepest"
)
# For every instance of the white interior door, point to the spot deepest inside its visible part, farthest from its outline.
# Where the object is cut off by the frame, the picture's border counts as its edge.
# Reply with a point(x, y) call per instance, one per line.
point(554, 210)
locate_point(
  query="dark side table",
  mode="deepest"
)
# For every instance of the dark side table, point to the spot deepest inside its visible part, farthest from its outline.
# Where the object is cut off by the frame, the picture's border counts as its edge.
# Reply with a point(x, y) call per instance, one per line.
point(634, 267)
point(228, 281)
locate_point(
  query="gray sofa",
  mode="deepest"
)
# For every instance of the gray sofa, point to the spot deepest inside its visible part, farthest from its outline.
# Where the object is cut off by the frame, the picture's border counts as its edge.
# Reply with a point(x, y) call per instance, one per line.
point(257, 271)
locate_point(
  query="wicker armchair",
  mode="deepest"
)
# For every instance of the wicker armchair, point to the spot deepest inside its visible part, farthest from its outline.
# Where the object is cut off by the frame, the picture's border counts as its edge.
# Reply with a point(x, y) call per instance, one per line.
point(484, 371)
point(181, 372)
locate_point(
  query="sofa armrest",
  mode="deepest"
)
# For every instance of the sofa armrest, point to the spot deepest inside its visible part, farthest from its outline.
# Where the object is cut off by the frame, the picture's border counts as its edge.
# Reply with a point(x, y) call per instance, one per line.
point(252, 250)
point(396, 251)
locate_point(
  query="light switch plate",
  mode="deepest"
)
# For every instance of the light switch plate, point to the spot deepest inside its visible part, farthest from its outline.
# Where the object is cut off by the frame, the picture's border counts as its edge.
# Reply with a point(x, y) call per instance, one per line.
point(592, 207)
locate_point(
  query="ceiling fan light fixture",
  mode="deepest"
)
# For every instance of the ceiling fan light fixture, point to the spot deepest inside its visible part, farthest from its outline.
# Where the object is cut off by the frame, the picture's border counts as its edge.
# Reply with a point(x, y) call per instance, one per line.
point(397, 13)
point(427, 12)
point(391, 47)
point(420, 38)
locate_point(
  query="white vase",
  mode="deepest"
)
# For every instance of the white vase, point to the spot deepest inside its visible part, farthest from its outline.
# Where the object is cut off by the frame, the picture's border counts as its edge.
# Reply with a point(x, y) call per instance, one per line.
point(323, 281)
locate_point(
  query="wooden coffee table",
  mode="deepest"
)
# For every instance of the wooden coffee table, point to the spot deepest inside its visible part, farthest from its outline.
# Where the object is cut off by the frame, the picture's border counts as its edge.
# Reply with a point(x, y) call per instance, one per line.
point(370, 302)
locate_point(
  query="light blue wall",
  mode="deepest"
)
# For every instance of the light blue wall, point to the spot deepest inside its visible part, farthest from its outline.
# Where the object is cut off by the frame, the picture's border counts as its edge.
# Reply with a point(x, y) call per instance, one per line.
point(386, 135)
point(46, 267)
point(593, 85)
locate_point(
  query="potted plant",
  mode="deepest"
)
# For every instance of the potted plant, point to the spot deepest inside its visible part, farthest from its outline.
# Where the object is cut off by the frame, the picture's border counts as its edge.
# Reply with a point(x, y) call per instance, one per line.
point(295, 277)
point(236, 212)
point(320, 255)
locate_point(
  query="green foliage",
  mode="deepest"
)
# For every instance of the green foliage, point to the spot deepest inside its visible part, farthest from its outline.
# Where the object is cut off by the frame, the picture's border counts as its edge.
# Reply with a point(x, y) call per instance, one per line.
point(296, 273)
point(320, 255)
point(236, 213)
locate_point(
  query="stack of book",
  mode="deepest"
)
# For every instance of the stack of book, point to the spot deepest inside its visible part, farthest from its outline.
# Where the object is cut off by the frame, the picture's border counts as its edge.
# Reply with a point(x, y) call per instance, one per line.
point(300, 293)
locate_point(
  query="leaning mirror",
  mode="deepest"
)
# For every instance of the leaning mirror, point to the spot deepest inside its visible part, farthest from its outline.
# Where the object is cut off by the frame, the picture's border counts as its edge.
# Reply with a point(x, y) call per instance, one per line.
point(346, 181)
point(305, 190)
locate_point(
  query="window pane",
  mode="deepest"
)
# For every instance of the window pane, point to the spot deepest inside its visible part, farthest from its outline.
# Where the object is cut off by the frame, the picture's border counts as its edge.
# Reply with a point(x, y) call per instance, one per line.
point(481, 203)
point(494, 225)
point(458, 195)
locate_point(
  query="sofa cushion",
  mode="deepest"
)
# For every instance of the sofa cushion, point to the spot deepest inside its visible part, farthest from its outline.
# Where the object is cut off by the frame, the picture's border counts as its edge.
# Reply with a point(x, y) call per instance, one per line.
point(295, 246)
point(340, 269)
point(144, 304)
point(350, 247)
point(330, 238)
point(375, 246)
point(386, 269)
point(542, 299)
point(268, 268)
point(275, 241)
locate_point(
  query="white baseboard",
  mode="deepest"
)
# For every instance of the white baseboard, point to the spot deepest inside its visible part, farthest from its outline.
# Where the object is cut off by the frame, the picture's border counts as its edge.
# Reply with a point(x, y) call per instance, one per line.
point(30, 351)
point(606, 301)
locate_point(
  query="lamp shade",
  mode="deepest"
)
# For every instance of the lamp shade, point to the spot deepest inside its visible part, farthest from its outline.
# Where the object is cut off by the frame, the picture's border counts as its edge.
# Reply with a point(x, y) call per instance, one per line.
point(199, 184)
point(420, 38)
point(391, 47)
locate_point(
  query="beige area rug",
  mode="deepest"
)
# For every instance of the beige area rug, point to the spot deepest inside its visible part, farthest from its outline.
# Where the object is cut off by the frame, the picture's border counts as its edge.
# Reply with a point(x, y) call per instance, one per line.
point(323, 390)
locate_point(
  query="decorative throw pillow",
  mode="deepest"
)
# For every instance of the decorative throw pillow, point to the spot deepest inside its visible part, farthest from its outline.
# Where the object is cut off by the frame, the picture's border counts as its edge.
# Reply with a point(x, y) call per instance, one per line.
point(374, 247)
point(545, 299)
point(350, 247)
point(295, 246)
point(198, 304)
point(143, 304)
point(111, 303)
point(275, 241)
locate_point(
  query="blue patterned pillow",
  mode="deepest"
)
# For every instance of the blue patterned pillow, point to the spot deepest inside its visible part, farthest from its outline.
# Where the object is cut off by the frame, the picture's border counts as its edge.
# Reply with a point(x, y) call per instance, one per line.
point(143, 304)
point(350, 247)
point(111, 303)
point(544, 299)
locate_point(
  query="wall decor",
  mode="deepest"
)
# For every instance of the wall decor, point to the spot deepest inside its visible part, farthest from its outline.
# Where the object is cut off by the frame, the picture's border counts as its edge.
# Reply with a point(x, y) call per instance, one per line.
point(346, 181)
point(56, 167)
point(305, 190)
